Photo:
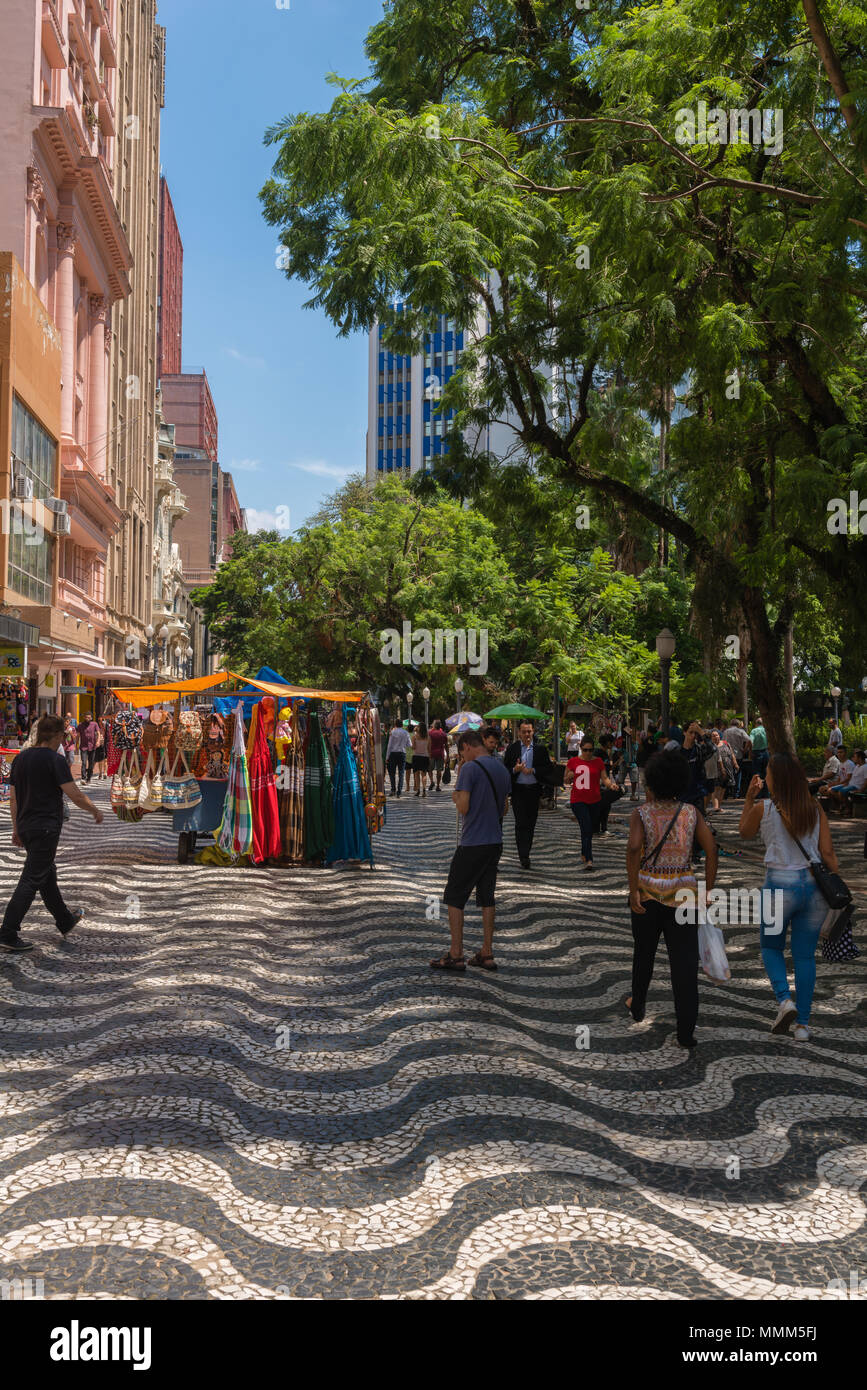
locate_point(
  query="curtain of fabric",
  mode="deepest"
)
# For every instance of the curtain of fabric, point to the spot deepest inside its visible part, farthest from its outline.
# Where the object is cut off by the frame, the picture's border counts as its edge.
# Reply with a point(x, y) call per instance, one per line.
point(263, 798)
point(351, 838)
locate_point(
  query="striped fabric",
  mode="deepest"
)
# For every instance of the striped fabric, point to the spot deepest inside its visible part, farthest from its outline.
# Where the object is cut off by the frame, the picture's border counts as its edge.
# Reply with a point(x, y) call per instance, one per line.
point(235, 833)
point(318, 793)
point(291, 794)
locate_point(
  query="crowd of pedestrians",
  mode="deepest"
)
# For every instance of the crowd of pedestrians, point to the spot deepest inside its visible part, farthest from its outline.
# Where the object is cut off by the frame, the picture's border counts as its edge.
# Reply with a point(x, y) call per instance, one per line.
point(685, 774)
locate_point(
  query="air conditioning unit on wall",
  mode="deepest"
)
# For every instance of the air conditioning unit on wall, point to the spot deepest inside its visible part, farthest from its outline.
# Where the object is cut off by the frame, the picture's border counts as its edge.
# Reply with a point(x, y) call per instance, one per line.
point(62, 524)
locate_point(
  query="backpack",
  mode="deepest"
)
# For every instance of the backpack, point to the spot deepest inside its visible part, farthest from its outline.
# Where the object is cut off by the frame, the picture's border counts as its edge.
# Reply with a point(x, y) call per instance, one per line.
point(189, 735)
point(126, 731)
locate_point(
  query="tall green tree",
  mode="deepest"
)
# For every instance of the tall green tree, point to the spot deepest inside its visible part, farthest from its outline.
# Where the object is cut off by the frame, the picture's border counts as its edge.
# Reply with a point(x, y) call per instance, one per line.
point(537, 160)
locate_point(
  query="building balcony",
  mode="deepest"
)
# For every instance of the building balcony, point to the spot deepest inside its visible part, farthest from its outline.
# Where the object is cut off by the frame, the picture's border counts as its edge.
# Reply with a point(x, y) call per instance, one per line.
point(80, 604)
point(177, 506)
point(53, 42)
point(164, 474)
point(107, 45)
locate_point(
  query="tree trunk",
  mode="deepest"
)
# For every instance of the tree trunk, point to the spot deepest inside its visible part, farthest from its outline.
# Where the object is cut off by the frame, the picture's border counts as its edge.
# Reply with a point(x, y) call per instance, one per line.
point(769, 684)
point(789, 659)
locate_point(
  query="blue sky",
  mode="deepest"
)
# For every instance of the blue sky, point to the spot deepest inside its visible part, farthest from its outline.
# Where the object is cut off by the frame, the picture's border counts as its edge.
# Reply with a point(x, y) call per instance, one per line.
point(291, 396)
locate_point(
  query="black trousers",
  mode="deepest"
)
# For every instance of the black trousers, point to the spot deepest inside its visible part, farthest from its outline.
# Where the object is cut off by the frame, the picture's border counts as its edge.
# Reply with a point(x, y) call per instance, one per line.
point(39, 875)
point(396, 762)
point(525, 806)
point(88, 758)
point(681, 942)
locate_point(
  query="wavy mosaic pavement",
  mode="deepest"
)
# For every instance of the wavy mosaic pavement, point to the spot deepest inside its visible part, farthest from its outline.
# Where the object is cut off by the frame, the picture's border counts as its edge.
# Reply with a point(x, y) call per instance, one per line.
point(240, 1084)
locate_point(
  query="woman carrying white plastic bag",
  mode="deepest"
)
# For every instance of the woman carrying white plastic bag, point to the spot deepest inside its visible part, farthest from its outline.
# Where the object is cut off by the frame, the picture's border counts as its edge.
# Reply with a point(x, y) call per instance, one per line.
point(658, 859)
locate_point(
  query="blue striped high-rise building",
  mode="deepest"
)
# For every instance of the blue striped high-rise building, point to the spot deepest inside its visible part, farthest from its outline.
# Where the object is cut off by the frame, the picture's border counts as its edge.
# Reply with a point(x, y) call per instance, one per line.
point(405, 429)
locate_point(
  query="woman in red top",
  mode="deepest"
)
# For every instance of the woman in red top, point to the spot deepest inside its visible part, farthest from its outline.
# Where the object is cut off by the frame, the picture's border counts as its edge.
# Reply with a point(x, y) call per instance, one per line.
point(586, 775)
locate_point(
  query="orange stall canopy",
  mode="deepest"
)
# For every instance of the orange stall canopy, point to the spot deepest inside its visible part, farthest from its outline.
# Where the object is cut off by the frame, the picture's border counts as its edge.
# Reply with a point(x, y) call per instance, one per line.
point(142, 697)
point(300, 692)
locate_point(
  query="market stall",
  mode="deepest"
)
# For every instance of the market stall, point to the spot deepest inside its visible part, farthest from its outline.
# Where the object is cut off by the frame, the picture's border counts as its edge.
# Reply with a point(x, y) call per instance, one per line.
point(286, 784)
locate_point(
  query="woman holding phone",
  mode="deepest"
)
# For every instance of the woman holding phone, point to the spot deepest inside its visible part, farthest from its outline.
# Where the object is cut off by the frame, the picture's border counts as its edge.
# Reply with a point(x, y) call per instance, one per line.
point(788, 820)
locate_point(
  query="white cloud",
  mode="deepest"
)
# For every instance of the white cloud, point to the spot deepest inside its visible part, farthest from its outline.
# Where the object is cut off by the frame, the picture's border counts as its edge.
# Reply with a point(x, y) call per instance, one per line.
point(240, 357)
point(244, 466)
point(322, 469)
point(267, 521)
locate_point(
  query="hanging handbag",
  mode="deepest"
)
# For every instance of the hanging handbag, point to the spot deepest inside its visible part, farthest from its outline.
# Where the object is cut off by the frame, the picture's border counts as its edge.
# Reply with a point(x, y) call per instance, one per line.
point(181, 790)
point(189, 735)
point(117, 784)
point(829, 884)
point(838, 943)
point(157, 785)
point(447, 774)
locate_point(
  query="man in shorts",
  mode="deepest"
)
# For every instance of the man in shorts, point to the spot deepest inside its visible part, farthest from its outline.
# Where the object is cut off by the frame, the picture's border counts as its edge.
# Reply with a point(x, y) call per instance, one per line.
point(481, 795)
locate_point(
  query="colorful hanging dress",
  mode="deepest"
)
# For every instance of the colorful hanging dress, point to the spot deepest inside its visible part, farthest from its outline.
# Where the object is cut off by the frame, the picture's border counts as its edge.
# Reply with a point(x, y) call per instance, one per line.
point(263, 797)
point(351, 838)
point(318, 794)
point(292, 792)
point(235, 833)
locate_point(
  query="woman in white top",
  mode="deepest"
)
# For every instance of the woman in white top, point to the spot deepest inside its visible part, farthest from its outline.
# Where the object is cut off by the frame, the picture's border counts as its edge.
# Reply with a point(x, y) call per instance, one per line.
point(789, 817)
point(573, 740)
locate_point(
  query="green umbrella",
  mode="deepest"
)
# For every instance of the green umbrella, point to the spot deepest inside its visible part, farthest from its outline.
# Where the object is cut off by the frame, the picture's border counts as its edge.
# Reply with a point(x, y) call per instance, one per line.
point(514, 712)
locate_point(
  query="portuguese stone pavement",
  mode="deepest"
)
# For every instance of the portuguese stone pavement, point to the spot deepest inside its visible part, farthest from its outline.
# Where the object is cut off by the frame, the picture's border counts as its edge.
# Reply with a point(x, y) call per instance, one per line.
point(246, 1083)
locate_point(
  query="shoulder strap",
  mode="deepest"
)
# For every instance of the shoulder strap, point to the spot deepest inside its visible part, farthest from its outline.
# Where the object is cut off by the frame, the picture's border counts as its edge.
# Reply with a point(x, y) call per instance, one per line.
point(493, 788)
point(792, 834)
point(651, 859)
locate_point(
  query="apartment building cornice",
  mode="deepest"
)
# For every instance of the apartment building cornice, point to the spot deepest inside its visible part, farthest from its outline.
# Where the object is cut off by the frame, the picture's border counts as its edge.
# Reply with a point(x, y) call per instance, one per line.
point(87, 174)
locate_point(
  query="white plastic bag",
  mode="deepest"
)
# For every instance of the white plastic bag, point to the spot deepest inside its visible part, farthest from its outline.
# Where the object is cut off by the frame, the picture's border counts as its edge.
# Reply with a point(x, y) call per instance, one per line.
point(712, 952)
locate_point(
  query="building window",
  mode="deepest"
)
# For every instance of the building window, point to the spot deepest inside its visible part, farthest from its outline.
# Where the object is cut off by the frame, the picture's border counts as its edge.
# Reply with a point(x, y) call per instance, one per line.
point(31, 559)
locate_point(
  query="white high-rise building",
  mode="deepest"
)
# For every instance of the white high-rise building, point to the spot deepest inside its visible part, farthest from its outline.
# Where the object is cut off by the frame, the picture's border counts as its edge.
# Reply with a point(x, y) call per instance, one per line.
point(405, 432)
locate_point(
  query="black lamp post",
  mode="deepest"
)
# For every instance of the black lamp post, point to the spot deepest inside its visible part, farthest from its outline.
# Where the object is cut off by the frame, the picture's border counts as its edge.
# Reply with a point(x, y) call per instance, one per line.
point(665, 652)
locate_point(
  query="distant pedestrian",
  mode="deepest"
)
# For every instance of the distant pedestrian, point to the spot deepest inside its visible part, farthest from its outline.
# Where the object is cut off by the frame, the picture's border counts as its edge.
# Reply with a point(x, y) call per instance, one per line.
point(795, 831)
point(70, 739)
point(395, 757)
point(586, 775)
point(481, 795)
point(39, 779)
point(88, 740)
point(573, 739)
point(759, 740)
point(658, 853)
point(420, 759)
point(835, 737)
point(438, 753)
point(529, 764)
point(491, 740)
point(101, 753)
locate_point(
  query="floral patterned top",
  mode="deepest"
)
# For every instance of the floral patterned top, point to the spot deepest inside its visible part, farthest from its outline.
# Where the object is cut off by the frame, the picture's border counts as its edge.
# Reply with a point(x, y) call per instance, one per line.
point(673, 867)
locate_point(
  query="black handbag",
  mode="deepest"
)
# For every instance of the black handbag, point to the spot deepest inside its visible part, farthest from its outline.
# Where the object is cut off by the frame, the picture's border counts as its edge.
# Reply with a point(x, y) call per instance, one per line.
point(829, 884)
point(839, 945)
point(447, 775)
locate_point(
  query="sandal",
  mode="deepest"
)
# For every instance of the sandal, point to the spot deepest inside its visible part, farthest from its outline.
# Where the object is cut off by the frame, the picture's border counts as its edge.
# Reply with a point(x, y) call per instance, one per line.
point(484, 962)
point(448, 962)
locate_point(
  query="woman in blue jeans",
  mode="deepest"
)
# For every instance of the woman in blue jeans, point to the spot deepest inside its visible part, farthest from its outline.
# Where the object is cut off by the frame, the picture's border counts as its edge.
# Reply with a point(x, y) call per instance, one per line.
point(789, 816)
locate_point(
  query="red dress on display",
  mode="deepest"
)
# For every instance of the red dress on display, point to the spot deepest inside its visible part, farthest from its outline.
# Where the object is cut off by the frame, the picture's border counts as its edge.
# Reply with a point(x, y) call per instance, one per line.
point(267, 843)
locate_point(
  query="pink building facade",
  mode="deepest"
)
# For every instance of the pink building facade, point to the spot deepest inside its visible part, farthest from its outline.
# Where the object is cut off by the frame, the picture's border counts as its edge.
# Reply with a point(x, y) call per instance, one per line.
point(58, 217)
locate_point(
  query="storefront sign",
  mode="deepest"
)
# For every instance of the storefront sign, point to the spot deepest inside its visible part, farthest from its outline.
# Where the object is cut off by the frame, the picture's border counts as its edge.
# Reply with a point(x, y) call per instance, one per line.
point(11, 661)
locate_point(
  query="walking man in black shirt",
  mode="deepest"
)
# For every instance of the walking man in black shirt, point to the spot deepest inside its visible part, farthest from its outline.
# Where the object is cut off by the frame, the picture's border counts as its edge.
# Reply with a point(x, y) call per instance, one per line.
point(39, 778)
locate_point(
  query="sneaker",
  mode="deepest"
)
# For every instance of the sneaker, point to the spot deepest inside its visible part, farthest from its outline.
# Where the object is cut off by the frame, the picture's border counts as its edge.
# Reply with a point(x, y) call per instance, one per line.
point(801, 1033)
point(73, 922)
point(17, 945)
point(786, 1015)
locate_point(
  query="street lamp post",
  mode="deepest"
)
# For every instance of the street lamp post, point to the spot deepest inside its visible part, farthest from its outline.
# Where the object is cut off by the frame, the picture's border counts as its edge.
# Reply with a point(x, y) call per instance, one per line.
point(409, 702)
point(425, 695)
point(665, 652)
point(164, 637)
point(459, 686)
point(151, 653)
point(836, 692)
point(190, 655)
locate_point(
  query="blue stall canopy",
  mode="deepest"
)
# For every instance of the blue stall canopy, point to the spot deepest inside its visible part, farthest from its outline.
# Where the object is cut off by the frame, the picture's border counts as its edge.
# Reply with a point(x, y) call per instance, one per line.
point(249, 696)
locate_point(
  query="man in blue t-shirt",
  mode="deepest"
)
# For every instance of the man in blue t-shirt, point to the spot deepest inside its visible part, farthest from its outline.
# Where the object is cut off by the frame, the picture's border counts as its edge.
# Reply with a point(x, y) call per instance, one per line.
point(481, 795)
